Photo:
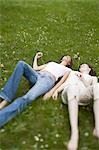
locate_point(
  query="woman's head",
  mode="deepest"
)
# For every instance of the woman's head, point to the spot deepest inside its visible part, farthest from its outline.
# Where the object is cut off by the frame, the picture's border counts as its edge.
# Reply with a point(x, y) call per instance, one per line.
point(87, 68)
point(67, 61)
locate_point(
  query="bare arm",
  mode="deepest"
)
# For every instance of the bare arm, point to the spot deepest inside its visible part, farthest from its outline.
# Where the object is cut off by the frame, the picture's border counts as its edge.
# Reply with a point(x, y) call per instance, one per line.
point(35, 65)
point(50, 93)
point(61, 88)
point(60, 82)
point(57, 91)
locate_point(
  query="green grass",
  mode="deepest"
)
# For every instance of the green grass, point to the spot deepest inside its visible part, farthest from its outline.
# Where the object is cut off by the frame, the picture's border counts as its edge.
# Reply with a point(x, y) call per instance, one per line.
point(57, 28)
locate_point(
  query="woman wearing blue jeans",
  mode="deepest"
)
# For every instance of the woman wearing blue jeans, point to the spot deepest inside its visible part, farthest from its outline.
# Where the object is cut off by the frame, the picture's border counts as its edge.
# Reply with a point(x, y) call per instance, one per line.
point(42, 78)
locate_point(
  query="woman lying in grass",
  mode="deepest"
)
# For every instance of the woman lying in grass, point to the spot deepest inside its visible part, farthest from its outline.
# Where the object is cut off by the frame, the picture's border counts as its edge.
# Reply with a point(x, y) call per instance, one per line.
point(42, 78)
point(79, 88)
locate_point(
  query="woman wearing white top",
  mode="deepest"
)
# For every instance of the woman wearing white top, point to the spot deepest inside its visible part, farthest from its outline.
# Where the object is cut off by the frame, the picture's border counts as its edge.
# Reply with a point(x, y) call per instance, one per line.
point(42, 78)
point(79, 89)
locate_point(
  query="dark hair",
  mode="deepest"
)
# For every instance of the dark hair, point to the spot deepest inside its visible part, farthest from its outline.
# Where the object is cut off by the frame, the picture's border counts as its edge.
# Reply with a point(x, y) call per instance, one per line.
point(92, 71)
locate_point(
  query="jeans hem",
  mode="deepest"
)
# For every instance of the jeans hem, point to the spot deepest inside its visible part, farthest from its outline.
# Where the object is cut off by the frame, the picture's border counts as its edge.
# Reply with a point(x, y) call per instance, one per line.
point(2, 95)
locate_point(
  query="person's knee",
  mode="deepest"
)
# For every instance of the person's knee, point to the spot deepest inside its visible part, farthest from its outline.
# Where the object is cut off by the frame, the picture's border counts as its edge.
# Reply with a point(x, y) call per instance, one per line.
point(72, 93)
point(20, 63)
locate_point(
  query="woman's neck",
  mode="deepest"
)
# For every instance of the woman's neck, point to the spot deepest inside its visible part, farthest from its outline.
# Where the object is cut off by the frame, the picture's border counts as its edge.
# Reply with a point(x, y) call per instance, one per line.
point(64, 64)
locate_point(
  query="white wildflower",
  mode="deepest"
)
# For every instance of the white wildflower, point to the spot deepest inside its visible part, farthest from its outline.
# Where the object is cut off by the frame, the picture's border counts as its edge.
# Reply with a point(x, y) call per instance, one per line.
point(36, 138)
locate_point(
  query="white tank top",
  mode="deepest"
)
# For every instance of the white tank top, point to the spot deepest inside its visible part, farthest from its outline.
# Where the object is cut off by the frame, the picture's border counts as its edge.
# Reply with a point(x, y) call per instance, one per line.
point(58, 70)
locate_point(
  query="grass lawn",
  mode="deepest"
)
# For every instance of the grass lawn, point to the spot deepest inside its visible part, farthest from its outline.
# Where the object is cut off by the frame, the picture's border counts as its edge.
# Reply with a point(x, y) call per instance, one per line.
point(57, 28)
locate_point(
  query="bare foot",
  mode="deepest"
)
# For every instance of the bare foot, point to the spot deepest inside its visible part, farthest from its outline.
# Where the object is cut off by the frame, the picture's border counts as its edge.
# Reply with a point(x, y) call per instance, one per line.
point(3, 104)
point(73, 144)
point(96, 133)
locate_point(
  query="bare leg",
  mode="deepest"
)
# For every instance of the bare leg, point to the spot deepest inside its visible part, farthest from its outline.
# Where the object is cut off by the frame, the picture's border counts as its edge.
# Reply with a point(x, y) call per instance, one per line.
point(3, 104)
point(96, 114)
point(73, 114)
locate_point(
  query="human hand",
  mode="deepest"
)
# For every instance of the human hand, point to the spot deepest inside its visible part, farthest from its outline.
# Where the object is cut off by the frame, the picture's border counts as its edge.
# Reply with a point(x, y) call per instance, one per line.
point(79, 74)
point(47, 95)
point(55, 95)
point(39, 55)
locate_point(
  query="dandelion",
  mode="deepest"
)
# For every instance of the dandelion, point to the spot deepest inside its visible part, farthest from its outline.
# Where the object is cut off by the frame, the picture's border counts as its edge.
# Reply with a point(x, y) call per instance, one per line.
point(23, 142)
point(35, 145)
point(36, 138)
point(75, 56)
point(84, 148)
point(86, 134)
point(42, 146)
point(13, 52)
point(41, 140)
point(55, 142)
point(39, 135)
point(57, 135)
point(46, 145)
point(2, 130)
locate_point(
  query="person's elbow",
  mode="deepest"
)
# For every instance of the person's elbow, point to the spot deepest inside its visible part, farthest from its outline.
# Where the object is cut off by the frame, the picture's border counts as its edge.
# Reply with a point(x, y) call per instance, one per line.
point(35, 68)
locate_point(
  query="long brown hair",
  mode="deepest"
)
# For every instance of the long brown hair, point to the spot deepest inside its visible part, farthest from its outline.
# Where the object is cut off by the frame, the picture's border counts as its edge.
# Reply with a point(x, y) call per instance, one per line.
point(92, 71)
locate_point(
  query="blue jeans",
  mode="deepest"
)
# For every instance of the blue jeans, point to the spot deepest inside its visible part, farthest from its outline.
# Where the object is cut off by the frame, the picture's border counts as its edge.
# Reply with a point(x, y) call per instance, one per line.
point(42, 82)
